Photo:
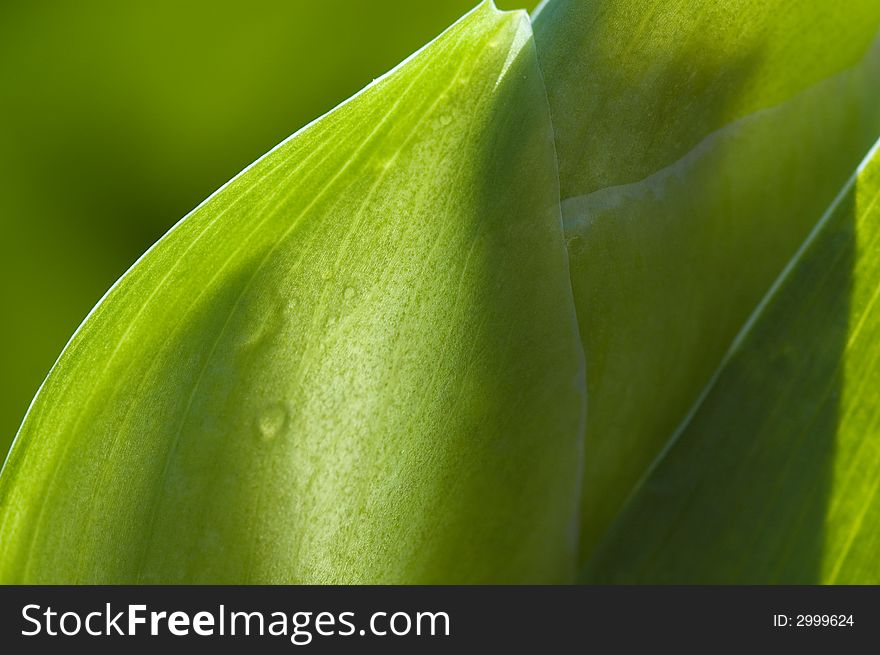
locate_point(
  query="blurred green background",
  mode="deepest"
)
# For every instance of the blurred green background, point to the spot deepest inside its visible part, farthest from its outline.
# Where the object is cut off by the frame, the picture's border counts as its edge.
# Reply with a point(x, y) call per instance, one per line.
point(120, 117)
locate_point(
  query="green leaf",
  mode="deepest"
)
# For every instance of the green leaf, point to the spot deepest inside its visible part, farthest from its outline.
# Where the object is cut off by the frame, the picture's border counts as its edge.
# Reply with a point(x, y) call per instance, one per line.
point(127, 114)
point(775, 476)
point(699, 142)
point(356, 362)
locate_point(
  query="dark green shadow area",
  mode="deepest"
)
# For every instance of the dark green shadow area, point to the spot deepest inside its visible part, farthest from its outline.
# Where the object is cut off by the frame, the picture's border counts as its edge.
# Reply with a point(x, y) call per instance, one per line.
point(649, 263)
point(688, 183)
point(524, 282)
point(742, 495)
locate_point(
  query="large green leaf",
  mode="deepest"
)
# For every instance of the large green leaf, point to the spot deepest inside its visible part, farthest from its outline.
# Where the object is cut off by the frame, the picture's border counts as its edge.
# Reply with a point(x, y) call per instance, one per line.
point(698, 143)
point(127, 114)
point(775, 476)
point(356, 362)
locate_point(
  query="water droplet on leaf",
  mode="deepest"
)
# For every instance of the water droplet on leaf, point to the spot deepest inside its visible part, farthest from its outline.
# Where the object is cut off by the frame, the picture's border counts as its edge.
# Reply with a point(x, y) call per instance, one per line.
point(260, 329)
point(272, 421)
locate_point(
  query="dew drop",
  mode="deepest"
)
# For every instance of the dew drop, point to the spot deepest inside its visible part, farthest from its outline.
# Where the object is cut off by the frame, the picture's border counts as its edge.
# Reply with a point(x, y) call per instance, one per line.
point(272, 421)
point(260, 329)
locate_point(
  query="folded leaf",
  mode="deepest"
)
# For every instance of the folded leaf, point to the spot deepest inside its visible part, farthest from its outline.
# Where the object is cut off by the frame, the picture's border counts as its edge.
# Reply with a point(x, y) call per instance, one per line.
point(775, 476)
point(356, 362)
point(698, 143)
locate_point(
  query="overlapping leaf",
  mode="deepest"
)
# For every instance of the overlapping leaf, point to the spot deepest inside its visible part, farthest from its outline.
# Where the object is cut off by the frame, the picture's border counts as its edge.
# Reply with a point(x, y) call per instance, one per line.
point(775, 476)
point(699, 142)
